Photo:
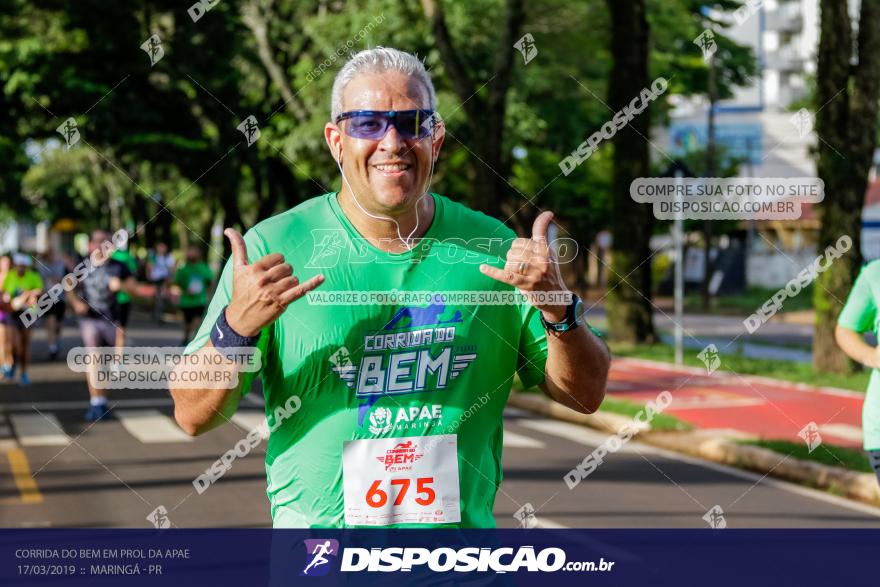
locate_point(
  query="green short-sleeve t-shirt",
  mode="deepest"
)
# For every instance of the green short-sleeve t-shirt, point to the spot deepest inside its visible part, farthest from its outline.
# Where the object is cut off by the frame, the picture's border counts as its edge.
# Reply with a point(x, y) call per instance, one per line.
point(16, 284)
point(129, 261)
point(860, 314)
point(422, 384)
point(194, 279)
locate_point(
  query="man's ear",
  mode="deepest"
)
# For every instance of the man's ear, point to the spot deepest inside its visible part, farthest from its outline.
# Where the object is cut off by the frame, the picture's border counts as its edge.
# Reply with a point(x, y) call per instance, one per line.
point(333, 136)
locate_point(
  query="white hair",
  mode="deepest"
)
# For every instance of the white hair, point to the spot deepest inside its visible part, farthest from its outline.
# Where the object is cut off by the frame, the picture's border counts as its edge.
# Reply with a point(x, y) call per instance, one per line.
point(379, 60)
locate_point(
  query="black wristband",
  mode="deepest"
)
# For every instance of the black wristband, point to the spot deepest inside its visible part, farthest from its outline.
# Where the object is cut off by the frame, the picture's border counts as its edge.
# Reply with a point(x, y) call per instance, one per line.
point(223, 336)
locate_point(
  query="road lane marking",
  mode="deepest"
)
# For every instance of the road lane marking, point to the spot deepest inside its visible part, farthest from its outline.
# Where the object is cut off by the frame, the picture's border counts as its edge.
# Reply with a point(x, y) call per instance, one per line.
point(248, 420)
point(514, 440)
point(151, 426)
point(21, 473)
point(38, 430)
point(572, 433)
point(545, 523)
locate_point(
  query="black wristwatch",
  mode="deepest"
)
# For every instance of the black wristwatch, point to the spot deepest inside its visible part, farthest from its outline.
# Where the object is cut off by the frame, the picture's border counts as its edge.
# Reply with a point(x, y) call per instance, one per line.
point(572, 317)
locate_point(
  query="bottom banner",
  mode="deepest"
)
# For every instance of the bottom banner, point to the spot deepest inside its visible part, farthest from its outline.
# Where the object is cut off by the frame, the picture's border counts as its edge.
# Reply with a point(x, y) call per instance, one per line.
point(433, 557)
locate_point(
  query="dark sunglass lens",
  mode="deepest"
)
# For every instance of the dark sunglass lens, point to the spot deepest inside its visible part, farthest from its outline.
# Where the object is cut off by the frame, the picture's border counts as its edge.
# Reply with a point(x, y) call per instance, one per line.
point(367, 126)
point(414, 124)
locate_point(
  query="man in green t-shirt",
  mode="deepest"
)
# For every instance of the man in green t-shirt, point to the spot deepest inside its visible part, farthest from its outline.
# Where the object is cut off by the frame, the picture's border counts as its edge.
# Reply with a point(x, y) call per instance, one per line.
point(123, 297)
point(385, 411)
point(21, 288)
point(859, 315)
point(191, 284)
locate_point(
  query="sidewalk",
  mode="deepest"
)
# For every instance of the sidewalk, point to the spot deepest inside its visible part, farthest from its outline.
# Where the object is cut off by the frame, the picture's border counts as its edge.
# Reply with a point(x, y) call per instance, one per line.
point(755, 406)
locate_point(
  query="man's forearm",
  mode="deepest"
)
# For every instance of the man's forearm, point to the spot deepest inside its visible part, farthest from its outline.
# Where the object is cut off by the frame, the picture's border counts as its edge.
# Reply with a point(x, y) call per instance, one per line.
point(853, 344)
point(199, 410)
point(577, 369)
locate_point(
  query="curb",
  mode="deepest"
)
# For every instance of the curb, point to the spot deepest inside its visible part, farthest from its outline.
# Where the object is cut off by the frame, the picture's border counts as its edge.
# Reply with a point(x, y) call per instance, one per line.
point(716, 447)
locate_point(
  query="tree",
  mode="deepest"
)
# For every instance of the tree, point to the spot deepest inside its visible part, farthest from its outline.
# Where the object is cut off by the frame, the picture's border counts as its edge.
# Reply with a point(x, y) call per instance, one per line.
point(629, 306)
point(485, 114)
point(846, 125)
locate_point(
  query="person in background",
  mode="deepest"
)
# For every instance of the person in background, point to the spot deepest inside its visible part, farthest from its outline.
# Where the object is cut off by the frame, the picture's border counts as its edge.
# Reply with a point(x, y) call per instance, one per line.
point(191, 283)
point(5, 309)
point(160, 267)
point(95, 301)
point(123, 298)
point(52, 270)
point(23, 285)
point(859, 315)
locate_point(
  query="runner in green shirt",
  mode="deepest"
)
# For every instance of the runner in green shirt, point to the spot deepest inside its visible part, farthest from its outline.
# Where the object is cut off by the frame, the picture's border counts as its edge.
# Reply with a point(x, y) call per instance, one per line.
point(123, 298)
point(859, 315)
point(21, 287)
point(192, 281)
point(385, 411)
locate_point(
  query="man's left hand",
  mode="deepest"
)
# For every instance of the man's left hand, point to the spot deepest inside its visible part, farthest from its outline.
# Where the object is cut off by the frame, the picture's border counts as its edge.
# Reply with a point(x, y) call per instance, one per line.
point(531, 267)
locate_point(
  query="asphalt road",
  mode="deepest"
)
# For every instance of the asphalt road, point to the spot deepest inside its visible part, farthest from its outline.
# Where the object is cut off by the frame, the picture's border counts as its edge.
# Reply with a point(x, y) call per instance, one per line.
point(58, 471)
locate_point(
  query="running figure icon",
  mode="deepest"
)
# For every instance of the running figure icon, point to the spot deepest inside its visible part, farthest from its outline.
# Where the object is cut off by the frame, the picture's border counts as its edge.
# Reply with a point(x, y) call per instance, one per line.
point(318, 553)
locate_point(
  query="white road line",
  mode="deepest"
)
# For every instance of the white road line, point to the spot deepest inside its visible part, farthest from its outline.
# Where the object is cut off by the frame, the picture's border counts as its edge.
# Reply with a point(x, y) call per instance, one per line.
point(151, 426)
point(514, 440)
point(83, 404)
point(248, 420)
point(7, 444)
point(38, 430)
point(545, 523)
point(572, 432)
point(845, 431)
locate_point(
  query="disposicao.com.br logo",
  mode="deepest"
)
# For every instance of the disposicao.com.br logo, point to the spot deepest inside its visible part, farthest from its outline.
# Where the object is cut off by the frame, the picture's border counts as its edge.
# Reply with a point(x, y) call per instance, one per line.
point(443, 559)
point(318, 550)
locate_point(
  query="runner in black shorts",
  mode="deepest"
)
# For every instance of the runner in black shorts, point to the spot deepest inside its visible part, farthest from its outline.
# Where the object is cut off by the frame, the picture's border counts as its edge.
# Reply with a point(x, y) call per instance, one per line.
point(95, 301)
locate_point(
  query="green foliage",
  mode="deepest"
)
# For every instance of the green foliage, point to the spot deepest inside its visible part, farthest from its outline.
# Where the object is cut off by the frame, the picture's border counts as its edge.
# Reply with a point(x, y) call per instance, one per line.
point(826, 454)
point(785, 370)
point(171, 127)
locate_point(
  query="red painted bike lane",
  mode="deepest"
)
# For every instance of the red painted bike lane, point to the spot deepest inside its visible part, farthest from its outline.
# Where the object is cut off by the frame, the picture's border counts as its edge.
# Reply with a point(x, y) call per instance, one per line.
point(769, 408)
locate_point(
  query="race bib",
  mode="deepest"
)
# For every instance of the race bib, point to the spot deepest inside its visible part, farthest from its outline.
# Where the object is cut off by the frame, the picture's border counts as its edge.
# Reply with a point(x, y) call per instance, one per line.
point(410, 480)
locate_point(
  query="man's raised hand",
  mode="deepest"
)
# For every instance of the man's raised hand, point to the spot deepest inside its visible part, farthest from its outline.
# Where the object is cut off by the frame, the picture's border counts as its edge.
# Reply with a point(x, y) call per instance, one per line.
point(261, 291)
point(531, 266)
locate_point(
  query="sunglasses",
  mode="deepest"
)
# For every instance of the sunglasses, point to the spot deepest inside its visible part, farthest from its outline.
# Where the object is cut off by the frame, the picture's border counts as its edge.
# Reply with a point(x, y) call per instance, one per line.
point(373, 124)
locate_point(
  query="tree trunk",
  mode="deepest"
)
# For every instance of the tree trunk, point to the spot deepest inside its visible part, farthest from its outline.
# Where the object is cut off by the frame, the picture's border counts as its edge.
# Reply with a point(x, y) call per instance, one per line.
point(846, 126)
point(629, 281)
point(485, 115)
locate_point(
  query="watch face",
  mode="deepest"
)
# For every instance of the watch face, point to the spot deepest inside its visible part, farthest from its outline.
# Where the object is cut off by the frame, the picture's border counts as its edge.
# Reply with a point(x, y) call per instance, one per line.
point(579, 311)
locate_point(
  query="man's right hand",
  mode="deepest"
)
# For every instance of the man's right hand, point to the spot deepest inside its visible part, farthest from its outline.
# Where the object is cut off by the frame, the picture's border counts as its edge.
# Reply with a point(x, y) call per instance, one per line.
point(261, 291)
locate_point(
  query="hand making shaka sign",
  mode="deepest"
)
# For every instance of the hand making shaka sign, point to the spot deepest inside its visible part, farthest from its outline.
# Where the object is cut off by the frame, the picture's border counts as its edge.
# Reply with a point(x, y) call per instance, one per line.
point(532, 267)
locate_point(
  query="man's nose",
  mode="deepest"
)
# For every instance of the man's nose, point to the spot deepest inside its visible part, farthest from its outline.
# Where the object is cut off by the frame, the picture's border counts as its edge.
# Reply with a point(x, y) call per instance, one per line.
point(392, 141)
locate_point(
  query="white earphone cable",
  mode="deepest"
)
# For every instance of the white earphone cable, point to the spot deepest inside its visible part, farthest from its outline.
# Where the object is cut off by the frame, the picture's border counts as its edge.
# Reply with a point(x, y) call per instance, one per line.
point(407, 242)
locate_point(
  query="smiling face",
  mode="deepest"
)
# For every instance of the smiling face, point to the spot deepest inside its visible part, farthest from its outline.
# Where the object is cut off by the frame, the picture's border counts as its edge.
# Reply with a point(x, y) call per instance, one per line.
point(390, 174)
